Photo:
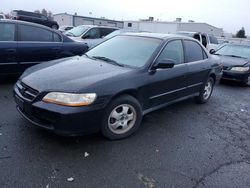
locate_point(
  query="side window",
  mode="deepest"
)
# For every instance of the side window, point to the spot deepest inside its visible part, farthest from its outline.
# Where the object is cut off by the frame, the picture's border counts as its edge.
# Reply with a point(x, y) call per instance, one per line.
point(173, 51)
point(30, 33)
point(57, 38)
point(7, 32)
point(193, 51)
point(213, 40)
point(93, 33)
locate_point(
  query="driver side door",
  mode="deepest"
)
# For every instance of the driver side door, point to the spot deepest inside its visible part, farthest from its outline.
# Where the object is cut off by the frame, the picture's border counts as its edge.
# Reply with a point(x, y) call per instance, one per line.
point(167, 84)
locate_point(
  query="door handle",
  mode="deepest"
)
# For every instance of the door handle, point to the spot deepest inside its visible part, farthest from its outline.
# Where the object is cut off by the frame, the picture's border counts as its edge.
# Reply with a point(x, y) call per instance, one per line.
point(11, 50)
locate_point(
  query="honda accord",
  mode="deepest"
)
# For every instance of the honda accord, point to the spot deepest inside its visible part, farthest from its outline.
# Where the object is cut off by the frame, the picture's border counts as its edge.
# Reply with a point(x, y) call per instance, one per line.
point(113, 85)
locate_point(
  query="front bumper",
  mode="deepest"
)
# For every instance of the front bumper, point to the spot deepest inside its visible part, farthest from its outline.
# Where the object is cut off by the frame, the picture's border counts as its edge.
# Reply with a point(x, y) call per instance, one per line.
point(235, 76)
point(62, 120)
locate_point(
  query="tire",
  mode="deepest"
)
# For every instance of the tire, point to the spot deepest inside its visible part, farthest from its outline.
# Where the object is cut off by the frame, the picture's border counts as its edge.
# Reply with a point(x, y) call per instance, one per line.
point(122, 118)
point(206, 91)
point(54, 27)
point(247, 82)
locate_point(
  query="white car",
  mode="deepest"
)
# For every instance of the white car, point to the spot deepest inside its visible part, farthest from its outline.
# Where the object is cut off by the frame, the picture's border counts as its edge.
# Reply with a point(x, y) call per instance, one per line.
point(65, 28)
point(209, 41)
point(89, 34)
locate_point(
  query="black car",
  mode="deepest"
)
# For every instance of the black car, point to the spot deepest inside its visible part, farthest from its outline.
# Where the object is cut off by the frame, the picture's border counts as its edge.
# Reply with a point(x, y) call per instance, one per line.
point(114, 84)
point(34, 18)
point(236, 62)
point(23, 44)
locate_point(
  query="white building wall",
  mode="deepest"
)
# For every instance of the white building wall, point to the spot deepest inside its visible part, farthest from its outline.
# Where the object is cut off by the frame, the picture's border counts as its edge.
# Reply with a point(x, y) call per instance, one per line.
point(63, 19)
point(82, 21)
point(172, 27)
point(200, 27)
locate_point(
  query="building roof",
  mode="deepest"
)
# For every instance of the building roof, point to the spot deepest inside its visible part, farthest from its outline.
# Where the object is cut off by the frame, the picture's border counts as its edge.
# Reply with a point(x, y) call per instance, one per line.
point(93, 18)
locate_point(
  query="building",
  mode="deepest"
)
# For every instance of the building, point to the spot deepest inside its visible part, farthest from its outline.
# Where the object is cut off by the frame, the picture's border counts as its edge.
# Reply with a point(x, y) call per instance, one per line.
point(172, 27)
point(75, 20)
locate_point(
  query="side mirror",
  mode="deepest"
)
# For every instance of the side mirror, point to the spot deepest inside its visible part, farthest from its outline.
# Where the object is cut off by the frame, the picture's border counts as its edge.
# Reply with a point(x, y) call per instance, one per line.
point(164, 64)
point(87, 36)
point(212, 51)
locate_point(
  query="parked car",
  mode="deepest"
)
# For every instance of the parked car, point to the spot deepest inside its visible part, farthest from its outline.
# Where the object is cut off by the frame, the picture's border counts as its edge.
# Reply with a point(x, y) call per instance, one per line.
point(2, 16)
point(24, 44)
point(208, 41)
point(114, 84)
point(113, 34)
point(89, 34)
point(236, 62)
point(34, 18)
point(65, 28)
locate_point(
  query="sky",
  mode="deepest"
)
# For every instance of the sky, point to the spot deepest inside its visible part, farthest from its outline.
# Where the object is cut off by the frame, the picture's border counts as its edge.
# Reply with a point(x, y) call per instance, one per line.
point(231, 15)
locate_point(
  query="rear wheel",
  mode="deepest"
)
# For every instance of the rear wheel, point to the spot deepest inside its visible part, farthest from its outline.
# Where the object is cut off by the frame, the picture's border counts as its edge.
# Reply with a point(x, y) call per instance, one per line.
point(122, 118)
point(206, 91)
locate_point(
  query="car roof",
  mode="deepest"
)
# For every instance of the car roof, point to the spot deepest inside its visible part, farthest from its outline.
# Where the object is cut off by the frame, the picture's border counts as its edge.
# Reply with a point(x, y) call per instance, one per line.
point(27, 23)
point(157, 35)
point(92, 26)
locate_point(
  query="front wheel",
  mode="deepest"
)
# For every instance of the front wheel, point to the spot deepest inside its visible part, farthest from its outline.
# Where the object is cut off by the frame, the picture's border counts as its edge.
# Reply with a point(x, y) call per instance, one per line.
point(122, 118)
point(247, 82)
point(206, 91)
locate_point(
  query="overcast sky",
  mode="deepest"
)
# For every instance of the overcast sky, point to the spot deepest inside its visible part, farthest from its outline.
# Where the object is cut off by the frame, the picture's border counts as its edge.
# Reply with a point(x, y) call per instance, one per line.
point(230, 15)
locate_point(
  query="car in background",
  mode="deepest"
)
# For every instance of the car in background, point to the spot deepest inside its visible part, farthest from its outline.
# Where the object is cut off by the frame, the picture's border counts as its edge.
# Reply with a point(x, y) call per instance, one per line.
point(113, 34)
point(89, 34)
point(113, 85)
point(236, 62)
point(65, 28)
point(2, 16)
point(208, 41)
point(34, 18)
point(24, 44)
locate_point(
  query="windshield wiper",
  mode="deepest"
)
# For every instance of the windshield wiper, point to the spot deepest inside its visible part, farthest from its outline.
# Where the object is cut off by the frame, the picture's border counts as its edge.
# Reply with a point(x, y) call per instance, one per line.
point(236, 56)
point(106, 59)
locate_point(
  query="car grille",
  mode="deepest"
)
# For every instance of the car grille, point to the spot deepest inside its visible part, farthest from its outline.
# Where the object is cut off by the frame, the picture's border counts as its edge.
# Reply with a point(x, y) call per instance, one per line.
point(26, 92)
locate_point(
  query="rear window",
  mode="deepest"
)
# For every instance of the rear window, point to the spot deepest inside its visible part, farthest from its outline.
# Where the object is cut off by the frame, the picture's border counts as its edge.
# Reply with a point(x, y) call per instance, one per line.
point(7, 32)
point(213, 40)
point(31, 33)
point(194, 51)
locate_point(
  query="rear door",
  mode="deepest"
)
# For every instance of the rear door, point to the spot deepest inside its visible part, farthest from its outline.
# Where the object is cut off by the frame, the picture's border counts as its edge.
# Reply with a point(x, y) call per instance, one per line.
point(198, 66)
point(168, 84)
point(36, 45)
point(8, 48)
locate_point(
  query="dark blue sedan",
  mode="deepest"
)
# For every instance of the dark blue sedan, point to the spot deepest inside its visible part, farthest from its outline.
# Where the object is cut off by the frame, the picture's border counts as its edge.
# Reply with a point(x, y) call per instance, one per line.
point(24, 44)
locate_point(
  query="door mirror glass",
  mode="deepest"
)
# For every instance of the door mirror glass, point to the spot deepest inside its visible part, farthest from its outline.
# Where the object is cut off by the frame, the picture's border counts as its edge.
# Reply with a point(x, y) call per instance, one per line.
point(212, 51)
point(165, 64)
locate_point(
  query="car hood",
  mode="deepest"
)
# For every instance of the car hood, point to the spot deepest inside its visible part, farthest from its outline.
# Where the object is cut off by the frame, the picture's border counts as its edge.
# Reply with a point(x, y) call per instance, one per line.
point(233, 61)
point(73, 74)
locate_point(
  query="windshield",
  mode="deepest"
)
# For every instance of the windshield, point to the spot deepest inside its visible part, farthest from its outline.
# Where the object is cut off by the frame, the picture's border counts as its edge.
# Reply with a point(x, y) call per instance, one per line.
point(234, 50)
point(114, 33)
point(77, 31)
point(126, 50)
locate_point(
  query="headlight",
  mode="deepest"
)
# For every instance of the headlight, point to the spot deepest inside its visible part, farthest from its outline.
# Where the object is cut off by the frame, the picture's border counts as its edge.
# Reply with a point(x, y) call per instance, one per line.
point(240, 69)
point(70, 99)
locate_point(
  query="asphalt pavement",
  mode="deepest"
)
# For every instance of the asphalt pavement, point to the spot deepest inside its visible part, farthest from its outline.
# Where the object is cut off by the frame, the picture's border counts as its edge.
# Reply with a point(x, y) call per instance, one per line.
point(183, 145)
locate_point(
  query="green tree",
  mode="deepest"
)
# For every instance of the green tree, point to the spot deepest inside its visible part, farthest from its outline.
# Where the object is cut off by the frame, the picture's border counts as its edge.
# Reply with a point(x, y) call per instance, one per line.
point(241, 33)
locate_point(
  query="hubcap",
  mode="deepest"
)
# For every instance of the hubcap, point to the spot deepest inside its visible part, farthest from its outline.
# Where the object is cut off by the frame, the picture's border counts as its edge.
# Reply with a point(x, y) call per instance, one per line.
point(207, 90)
point(122, 119)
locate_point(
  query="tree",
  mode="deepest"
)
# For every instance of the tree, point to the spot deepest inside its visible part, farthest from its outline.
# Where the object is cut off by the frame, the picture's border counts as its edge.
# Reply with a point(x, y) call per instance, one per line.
point(241, 33)
point(45, 12)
